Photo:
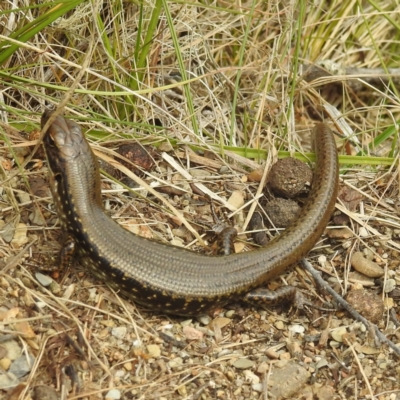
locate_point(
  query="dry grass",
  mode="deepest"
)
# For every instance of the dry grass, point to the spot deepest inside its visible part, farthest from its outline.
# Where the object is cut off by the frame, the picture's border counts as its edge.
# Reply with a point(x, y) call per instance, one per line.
point(224, 77)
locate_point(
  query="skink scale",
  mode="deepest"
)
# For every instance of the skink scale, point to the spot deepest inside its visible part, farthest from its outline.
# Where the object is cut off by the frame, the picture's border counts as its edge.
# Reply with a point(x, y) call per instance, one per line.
point(163, 277)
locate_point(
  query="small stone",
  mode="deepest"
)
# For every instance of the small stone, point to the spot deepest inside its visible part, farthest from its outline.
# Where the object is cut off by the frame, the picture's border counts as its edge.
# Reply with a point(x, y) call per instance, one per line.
point(388, 302)
point(243, 363)
point(24, 197)
point(272, 354)
point(175, 362)
point(365, 349)
point(390, 285)
point(128, 366)
point(365, 266)
point(154, 350)
point(287, 381)
point(204, 319)
point(322, 260)
point(113, 394)
point(279, 325)
point(36, 217)
point(7, 231)
point(44, 280)
point(43, 392)
point(20, 236)
point(8, 380)
point(337, 334)
point(224, 170)
point(177, 242)
point(236, 199)
point(22, 365)
point(5, 363)
point(13, 350)
point(251, 377)
point(296, 328)
point(342, 233)
point(257, 387)
point(119, 332)
point(192, 333)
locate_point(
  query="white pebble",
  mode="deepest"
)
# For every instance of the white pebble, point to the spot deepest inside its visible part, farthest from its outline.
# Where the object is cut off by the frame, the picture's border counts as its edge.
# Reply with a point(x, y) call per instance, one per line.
point(113, 394)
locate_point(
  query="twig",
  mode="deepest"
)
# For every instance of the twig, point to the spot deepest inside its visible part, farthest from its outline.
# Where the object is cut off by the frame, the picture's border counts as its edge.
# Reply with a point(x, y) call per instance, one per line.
point(340, 300)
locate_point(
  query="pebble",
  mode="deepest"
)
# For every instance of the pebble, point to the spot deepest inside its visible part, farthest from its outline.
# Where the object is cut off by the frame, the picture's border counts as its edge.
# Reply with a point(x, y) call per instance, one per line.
point(36, 217)
point(279, 325)
point(243, 363)
point(20, 236)
point(224, 170)
point(272, 354)
point(119, 332)
point(322, 260)
point(204, 319)
point(6, 231)
point(113, 394)
point(257, 387)
point(23, 197)
point(224, 352)
point(365, 349)
point(7, 380)
point(337, 334)
point(287, 382)
point(5, 363)
point(192, 333)
point(13, 350)
point(175, 362)
point(368, 254)
point(44, 280)
point(390, 284)
point(342, 233)
point(22, 365)
point(154, 350)
point(236, 199)
point(251, 377)
point(43, 392)
point(334, 344)
point(296, 328)
point(365, 266)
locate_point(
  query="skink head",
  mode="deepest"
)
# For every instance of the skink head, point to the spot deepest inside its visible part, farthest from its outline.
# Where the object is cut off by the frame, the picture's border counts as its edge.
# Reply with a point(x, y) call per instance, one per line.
point(63, 137)
point(73, 167)
point(64, 143)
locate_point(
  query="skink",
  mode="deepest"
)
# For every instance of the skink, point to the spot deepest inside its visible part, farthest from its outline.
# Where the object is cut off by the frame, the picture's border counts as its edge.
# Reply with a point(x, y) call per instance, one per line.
point(163, 277)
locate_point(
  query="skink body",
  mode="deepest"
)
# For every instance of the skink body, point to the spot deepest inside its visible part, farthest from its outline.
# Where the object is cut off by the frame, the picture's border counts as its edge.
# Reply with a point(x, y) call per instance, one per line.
point(163, 277)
